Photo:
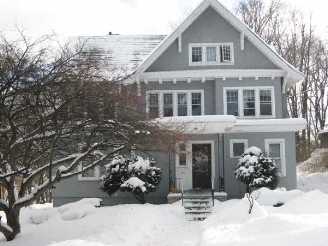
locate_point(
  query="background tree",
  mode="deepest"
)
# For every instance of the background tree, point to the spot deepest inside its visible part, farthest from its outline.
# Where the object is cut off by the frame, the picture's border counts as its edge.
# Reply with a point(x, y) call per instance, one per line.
point(293, 36)
point(255, 169)
point(137, 176)
point(59, 108)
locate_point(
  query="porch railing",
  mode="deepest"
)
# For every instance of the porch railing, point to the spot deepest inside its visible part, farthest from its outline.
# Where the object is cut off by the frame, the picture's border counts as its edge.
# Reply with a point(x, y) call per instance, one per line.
point(212, 189)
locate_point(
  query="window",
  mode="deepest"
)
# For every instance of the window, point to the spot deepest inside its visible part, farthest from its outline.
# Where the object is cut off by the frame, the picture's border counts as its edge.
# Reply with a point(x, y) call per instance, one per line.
point(275, 148)
point(225, 53)
point(168, 104)
point(211, 54)
point(175, 103)
point(182, 104)
point(90, 174)
point(182, 155)
point(196, 101)
point(232, 102)
point(249, 101)
point(238, 147)
point(153, 105)
point(265, 102)
point(197, 54)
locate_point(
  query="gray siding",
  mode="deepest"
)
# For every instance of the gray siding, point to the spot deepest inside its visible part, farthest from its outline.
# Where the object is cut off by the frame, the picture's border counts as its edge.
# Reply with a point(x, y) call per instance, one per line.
point(236, 189)
point(73, 189)
point(210, 27)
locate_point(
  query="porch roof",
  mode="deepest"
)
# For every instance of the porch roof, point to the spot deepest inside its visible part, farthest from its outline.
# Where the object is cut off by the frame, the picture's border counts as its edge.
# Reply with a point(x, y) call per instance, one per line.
point(214, 124)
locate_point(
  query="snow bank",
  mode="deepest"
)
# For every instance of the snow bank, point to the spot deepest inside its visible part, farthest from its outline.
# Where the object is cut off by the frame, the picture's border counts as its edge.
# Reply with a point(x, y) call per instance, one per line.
point(234, 214)
point(308, 182)
point(267, 197)
point(80, 209)
point(313, 202)
point(77, 243)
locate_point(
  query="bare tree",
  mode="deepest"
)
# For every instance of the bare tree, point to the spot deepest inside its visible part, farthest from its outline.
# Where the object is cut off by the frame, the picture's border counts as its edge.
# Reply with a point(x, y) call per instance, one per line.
point(58, 108)
point(294, 38)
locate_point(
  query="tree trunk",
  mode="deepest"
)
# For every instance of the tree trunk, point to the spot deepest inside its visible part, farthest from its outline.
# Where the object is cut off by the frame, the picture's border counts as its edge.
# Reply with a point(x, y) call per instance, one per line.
point(13, 222)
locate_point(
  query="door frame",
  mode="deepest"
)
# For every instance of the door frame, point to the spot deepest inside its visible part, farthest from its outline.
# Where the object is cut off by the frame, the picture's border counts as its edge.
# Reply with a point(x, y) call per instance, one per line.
point(185, 172)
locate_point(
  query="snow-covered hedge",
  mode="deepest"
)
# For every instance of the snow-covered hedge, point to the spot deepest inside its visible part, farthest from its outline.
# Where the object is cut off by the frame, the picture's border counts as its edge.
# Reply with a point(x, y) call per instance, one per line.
point(257, 170)
point(137, 176)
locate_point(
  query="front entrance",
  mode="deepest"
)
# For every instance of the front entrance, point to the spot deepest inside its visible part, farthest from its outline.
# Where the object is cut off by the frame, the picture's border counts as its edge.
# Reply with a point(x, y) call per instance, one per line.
point(201, 166)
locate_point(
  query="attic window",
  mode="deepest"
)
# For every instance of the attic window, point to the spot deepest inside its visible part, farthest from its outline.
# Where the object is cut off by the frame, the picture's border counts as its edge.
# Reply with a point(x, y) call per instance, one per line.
point(211, 54)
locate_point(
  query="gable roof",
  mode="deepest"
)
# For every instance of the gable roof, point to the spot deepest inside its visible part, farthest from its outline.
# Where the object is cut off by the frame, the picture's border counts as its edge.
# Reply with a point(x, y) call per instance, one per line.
point(123, 52)
point(293, 75)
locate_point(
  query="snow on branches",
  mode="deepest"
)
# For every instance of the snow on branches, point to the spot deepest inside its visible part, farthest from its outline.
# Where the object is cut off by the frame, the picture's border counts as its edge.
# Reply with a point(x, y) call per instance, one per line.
point(138, 176)
point(257, 170)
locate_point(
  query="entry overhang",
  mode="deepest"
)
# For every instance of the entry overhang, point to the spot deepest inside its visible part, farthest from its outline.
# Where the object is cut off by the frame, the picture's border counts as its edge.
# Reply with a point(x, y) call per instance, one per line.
point(215, 124)
point(268, 125)
point(205, 124)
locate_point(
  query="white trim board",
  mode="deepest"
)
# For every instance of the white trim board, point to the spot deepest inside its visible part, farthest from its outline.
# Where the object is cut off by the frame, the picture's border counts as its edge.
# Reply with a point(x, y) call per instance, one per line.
point(210, 74)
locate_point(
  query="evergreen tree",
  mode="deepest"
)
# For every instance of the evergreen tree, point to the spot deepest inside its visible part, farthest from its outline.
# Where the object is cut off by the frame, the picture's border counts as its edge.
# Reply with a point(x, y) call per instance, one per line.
point(137, 176)
point(257, 170)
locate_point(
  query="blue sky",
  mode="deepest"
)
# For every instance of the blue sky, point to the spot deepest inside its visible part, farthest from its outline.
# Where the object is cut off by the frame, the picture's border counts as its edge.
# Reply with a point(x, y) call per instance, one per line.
point(98, 17)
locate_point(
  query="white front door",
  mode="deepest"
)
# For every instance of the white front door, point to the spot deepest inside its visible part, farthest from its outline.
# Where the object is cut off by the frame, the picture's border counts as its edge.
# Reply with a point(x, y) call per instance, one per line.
point(195, 165)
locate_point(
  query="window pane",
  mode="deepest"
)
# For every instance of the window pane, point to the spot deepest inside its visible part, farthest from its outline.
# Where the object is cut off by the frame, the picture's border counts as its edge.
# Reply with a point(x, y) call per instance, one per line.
point(168, 105)
point(265, 102)
point(196, 54)
point(274, 150)
point(211, 54)
point(196, 101)
point(238, 149)
point(225, 53)
point(232, 102)
point(182, 155)
point(90, 173)
point(249, 102)
point(153, 105)
point(182, 104)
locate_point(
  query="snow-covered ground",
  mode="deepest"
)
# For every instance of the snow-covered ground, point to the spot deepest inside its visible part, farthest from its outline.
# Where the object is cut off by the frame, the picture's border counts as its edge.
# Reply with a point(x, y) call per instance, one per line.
point(302, 220)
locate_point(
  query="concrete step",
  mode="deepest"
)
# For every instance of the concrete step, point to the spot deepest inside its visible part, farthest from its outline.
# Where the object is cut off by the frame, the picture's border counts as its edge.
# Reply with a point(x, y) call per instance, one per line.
point(191, 206)
point(197, 211)
point(195, 201)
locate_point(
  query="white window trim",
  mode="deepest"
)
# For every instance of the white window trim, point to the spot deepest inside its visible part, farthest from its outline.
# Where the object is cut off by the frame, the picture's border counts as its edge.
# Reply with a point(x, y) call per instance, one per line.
point(175, 101)
point(96, 177)
point(257, 101)
point(280, 141)
point(232, 141)
point(218, 54)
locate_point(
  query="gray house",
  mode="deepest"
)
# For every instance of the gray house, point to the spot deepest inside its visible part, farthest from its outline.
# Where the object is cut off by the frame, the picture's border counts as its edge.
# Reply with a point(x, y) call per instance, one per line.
point(215, 74)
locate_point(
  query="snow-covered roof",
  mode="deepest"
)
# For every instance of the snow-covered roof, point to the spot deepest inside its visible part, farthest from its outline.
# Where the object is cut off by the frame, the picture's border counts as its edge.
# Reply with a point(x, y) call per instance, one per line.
point(123, 52)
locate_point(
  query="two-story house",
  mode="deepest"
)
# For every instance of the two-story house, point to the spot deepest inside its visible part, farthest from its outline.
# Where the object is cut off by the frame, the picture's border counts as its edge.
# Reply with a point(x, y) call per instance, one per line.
point(214, 73)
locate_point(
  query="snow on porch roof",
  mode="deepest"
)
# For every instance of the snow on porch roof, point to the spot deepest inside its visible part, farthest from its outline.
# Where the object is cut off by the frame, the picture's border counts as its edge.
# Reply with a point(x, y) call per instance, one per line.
point(123, 52)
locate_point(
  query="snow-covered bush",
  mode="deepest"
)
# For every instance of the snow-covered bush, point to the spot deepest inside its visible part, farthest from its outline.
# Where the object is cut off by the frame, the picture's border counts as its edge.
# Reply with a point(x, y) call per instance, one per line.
point(257, 170)
point(137, 176)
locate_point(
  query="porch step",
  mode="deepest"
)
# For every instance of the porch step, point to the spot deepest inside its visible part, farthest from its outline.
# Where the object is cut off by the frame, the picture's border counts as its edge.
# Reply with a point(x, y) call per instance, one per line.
point(198, 205)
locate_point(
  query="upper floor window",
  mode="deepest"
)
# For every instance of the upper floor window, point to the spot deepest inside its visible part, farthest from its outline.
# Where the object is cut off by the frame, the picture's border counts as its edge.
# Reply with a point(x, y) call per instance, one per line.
point(249, 101)
point(175, 103)
point(211, 54)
